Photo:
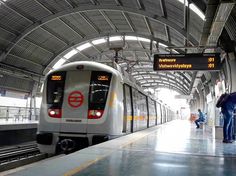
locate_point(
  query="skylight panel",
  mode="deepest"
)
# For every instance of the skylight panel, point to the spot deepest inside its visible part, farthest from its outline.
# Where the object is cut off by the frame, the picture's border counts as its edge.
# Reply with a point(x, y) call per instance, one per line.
point(194, 8)
point(70, 54)
point(115, 38)
point(98, 41)
point(131, 38)
point(143, 39)
point(59, 63)
point(163, 45)
point(84, 46)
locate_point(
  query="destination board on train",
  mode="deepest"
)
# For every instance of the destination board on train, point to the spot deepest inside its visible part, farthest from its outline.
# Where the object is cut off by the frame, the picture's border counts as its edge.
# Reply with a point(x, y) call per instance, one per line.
point(183, 62)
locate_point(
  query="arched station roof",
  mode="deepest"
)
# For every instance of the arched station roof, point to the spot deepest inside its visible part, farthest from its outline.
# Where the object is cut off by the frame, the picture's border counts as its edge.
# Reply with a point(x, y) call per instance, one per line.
point(39, 35)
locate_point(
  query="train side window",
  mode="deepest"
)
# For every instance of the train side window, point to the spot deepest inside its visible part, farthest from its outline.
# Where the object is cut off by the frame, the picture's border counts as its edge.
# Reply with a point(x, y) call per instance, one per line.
point(99, 88)
point(55, 88)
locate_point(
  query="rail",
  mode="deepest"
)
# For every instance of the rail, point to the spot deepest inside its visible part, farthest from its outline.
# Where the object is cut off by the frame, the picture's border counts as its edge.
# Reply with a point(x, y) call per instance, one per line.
point(12, 157)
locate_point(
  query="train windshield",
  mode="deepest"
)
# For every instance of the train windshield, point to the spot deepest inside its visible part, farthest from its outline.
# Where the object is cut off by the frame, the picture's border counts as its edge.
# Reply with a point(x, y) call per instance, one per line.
point(55, 89)
point(99, 88)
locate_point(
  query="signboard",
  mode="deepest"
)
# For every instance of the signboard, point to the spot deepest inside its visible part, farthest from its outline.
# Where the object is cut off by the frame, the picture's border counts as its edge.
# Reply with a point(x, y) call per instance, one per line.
point(203, 61)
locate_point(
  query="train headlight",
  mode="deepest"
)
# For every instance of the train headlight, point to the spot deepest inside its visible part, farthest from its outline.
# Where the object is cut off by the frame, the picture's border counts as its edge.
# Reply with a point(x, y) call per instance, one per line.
point(55, 113)
point(98, 114)
point(52, 112)
point(95, 114)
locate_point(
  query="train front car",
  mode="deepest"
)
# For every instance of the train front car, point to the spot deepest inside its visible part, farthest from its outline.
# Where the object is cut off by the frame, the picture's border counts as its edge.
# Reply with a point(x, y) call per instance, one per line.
point(82, 105)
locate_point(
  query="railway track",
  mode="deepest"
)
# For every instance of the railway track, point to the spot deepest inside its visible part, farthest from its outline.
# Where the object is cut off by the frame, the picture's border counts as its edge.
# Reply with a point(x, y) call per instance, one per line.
point(16, 156)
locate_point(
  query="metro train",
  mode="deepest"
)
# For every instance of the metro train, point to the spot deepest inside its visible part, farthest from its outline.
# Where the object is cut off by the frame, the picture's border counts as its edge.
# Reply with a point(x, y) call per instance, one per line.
point(85, 103)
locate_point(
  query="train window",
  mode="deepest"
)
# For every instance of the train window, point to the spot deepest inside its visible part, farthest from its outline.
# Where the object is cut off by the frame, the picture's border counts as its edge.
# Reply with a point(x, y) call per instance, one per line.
point(99, 88)
point(55, 88)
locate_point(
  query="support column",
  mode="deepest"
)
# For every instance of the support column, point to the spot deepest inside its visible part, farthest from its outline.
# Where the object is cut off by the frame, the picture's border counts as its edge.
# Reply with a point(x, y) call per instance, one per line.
point(231, 73)
point(201, 97)
point(32, 114)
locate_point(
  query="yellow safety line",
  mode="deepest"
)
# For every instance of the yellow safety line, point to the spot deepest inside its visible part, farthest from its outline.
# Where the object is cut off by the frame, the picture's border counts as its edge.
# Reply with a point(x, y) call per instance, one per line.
point(87, 164)
point(81, 167)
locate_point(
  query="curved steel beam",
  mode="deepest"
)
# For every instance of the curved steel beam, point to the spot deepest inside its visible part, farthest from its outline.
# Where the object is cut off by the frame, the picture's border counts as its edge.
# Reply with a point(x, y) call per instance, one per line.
point(166, 86)
point(87, 8)
point(160, 77)
point(153, 74)
point(97, 36)
point(161, 81)
point(142, 50)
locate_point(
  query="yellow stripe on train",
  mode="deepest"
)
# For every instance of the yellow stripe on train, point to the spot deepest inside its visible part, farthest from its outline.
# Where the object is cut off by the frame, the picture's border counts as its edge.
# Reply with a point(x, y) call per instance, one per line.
point(129, 118)
point(113, 99)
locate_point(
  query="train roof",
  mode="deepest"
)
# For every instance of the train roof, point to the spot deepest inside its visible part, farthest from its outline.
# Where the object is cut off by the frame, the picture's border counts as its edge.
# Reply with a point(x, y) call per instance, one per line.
point(88, 65)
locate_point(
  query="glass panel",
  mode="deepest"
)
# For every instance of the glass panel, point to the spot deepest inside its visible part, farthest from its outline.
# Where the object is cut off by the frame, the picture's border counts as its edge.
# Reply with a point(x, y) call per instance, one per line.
point(55, 89)
point(128, 109)
point(99, 88)
point(140, 110)
point(152, 112)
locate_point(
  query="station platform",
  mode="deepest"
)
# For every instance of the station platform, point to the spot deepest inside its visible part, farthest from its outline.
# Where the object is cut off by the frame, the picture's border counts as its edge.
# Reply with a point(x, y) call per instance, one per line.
point(15, 132)
point(175, 148)
point(17, 124)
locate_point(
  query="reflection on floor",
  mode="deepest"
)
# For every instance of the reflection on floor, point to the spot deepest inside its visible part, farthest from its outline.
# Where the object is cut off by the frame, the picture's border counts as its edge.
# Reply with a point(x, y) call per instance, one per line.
point(176, 148)
point(183, 137)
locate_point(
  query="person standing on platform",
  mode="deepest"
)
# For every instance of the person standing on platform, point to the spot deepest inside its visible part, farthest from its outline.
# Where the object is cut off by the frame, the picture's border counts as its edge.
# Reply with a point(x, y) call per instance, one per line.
point(227, 109)
point(200, 119)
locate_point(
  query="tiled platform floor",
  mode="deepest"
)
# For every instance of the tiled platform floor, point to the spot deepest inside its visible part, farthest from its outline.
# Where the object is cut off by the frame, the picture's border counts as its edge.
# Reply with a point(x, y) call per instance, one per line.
point(176, 148)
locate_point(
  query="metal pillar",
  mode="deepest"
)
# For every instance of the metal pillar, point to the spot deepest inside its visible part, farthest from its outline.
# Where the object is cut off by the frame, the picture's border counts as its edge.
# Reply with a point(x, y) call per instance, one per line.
point(32, 111)
point(231, 73)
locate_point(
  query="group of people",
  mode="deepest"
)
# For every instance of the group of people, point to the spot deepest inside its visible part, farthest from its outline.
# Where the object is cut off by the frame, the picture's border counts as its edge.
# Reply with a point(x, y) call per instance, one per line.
point(227, 104)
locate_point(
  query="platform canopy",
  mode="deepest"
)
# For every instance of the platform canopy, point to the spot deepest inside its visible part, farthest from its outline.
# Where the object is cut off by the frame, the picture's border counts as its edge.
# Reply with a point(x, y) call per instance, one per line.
point(39, 35)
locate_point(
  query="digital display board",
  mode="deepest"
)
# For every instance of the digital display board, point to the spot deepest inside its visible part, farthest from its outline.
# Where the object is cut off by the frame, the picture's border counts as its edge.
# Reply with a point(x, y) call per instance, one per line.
point(183, 62)
point(56, 78)
point(103, 78)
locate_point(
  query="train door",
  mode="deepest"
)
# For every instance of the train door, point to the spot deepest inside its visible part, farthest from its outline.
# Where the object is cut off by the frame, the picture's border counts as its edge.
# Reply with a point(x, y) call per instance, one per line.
point(152, 112)
point(165, 112)
point(75, 105)
point(163, 115)
point(128, 117)
point(140, 110)
point(159, 114)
